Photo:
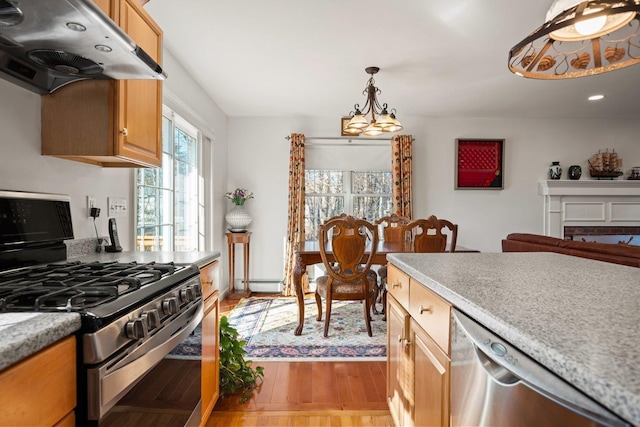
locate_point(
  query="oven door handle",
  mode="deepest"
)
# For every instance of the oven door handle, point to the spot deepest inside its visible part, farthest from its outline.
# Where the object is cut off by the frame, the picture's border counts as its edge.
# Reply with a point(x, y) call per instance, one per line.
point(119, 378)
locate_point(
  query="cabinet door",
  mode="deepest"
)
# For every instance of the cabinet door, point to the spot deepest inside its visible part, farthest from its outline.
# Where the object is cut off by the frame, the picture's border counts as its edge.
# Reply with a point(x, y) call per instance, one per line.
point(431, 380)
point(40, 390)
point(110, 123)
point(139, 112)
point(398, 381)
point(210, 357)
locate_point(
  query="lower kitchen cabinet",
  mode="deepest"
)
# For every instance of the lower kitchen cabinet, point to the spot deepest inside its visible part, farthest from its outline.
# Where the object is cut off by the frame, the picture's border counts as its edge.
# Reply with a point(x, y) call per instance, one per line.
point(209, 275)
point(398, 381)
point(431, 369)
point(418, 360)
point(41, 390)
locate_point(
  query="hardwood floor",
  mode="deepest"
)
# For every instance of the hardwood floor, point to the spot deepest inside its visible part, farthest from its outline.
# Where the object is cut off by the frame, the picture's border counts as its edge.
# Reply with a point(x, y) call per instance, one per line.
point(309, 394)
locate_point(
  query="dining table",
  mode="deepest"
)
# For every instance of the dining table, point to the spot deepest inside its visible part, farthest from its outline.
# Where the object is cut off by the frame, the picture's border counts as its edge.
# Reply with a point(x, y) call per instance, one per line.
point(308, 253)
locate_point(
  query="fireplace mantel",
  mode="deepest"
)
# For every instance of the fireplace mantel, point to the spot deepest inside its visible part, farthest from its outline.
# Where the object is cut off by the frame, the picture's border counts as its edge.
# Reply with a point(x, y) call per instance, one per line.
point(608, 203)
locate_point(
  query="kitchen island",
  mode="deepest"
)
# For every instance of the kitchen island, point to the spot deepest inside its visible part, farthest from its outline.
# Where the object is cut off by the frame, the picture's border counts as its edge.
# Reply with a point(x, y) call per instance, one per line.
point(579, 318)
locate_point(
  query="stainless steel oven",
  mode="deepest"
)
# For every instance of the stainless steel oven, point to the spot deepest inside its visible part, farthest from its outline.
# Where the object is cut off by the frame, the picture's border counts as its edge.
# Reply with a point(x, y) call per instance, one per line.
point(494, 384)
point(133, 314)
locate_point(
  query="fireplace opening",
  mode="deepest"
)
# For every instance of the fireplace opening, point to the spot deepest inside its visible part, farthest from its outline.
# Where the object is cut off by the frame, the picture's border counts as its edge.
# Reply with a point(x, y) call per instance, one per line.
point(616, 235)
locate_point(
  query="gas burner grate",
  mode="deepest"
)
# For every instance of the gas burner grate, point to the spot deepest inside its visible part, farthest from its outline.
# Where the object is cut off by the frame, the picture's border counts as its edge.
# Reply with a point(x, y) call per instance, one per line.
point(74, 286)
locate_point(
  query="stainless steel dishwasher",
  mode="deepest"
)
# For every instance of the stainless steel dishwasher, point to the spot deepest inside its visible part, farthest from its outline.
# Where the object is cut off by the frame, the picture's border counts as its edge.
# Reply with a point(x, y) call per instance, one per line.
point(494, 384)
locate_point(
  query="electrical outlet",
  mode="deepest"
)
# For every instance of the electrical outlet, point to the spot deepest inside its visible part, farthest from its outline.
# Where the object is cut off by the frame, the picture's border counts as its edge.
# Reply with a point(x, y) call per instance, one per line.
point(91, 203)
point(117, 206)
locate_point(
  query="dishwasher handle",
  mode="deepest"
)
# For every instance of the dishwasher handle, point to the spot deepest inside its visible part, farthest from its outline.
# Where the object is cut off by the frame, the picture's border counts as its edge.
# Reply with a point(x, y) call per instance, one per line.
point(508, 366)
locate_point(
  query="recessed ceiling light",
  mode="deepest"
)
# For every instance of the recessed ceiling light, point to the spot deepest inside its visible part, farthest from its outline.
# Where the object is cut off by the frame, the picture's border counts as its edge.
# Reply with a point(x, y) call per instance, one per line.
point(595, 97)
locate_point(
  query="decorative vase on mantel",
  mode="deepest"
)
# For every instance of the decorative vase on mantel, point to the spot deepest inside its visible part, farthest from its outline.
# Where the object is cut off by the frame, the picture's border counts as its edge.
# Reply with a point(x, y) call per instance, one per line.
point(555, 171)
point(238, 219)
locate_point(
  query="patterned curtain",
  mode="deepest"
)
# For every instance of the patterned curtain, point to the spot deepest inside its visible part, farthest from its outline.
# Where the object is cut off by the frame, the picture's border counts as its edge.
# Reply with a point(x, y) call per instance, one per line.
point(401, 168)
point(295, 220)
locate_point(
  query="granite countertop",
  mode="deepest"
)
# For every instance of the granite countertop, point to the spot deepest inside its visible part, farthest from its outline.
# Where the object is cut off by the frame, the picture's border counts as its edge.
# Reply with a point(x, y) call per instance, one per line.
point(23, 334)
point(198, 258)
point(578, 317)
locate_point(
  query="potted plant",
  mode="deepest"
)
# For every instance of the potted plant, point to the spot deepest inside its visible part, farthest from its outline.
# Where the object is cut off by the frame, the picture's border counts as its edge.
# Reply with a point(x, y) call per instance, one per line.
point(236, 373)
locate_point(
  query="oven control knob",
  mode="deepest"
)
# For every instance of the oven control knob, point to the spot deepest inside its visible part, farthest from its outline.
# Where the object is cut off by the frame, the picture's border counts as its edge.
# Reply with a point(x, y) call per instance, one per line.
point(197, 289)
point(136, 328)
point(152, 318)
point(170, 306)
point(187, 295)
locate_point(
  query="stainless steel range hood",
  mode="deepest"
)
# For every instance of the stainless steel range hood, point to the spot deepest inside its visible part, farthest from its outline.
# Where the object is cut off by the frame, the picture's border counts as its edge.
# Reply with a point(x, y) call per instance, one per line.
point(45, 44)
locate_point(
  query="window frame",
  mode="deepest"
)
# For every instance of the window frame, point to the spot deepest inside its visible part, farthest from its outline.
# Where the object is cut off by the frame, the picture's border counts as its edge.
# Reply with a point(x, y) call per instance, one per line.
point(175, 121)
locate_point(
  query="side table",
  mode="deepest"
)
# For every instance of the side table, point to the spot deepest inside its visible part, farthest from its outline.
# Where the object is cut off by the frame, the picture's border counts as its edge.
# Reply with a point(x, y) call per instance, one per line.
point(232, 240)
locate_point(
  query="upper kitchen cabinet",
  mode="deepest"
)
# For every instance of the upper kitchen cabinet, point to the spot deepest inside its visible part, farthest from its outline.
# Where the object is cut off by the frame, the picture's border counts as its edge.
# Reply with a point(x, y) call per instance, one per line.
point(110, 123)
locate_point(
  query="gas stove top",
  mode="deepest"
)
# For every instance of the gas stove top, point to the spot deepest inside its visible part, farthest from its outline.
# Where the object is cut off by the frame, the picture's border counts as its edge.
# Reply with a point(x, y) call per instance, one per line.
point(99, 291)
point(76, 286)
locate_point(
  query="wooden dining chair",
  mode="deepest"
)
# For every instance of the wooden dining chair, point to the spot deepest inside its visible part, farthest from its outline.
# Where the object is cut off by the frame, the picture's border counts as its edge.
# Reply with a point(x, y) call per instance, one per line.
point(392, 231)
point(431, 234)
point(344, 242)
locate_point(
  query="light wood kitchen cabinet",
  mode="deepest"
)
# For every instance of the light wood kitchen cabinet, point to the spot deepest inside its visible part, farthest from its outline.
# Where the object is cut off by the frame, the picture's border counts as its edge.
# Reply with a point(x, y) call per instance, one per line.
point(209, 276)
point(41, 390)
point(110, 123)
point(418, 358)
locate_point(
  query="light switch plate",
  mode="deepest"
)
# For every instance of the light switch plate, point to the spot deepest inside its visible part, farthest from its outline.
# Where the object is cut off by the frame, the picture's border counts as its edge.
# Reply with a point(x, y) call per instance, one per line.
point(117, 206)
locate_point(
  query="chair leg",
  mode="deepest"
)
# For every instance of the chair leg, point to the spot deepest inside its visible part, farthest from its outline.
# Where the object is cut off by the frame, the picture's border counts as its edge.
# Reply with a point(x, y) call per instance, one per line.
point(319, 304)
point(367, 315)
point(328, 316)
point(374, 308)
point(384, 302)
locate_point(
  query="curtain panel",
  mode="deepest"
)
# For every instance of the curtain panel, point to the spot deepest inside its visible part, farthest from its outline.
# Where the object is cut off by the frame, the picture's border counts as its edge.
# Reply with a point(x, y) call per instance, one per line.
point(401, 168)
point(295, 217)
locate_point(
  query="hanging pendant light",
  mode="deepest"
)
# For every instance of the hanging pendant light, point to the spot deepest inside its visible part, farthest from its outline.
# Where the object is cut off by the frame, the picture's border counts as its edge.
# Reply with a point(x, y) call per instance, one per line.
point(580, 38)
point(381, 119)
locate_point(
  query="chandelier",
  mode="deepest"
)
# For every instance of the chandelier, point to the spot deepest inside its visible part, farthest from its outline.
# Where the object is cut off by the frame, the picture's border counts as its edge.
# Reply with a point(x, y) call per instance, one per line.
point(580, 38)
point(381, 119)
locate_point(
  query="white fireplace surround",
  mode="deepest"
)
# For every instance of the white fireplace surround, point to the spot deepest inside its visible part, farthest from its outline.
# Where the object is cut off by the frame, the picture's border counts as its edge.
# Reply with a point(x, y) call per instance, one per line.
point(585, 203)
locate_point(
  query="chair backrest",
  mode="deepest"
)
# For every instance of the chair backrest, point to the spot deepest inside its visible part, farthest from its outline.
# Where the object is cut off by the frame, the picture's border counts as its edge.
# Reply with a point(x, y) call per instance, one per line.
point(391, 227)
point(348, 242)
point(427, 234)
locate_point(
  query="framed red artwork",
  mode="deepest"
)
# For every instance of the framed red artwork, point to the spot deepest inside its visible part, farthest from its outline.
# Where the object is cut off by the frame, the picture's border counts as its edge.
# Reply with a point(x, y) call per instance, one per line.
point(479, 164)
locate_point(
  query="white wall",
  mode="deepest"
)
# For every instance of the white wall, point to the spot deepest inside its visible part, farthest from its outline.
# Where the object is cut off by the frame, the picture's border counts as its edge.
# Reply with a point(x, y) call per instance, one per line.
point(258, 161)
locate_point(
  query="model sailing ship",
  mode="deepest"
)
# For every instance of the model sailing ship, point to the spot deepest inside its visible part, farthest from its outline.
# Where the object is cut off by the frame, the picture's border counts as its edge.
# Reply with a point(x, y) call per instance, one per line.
point(605, 165)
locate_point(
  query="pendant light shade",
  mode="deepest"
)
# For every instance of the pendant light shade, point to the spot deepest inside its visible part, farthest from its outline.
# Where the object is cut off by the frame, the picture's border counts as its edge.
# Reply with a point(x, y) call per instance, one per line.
point(580, 38)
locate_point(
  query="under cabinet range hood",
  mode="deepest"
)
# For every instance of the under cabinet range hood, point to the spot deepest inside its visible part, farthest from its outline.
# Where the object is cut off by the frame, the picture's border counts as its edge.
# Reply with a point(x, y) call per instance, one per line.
point(45, 44)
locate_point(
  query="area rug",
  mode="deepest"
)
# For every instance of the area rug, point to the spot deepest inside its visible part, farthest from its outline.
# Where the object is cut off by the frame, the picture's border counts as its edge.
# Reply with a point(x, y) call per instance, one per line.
point(267, 325)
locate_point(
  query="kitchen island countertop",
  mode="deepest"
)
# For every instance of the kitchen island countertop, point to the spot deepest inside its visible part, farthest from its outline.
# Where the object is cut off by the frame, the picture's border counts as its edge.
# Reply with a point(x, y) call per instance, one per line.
point(578, 317)
point(24, 334)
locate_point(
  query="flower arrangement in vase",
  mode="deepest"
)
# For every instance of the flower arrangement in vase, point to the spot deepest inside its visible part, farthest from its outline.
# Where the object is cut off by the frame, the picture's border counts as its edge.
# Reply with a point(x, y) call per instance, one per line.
point(238, 218)
point(239, 196)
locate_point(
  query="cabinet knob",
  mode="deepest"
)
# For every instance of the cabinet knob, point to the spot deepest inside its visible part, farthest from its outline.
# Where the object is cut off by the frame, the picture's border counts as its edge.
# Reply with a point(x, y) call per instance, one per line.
point(422, 309)
point(396, 285)
point(124, 131)
point(407, 343)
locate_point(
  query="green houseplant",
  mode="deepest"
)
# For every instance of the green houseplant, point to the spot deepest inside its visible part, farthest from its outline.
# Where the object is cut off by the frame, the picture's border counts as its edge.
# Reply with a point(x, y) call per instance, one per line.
point(236, 373)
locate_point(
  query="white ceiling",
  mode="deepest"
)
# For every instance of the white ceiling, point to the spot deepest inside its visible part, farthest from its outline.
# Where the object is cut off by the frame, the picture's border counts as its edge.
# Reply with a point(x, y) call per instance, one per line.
point(436, 58)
